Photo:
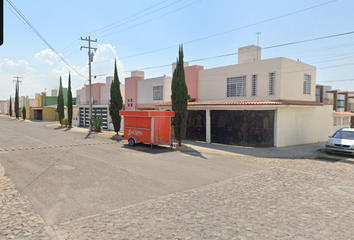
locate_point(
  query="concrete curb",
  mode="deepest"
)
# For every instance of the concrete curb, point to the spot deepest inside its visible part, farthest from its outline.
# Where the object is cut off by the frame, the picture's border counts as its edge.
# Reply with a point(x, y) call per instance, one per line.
point(2, 171)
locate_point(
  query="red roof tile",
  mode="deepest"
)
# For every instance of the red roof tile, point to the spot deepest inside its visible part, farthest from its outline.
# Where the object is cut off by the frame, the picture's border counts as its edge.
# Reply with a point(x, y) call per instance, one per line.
point(236, 103)
point(344, 113)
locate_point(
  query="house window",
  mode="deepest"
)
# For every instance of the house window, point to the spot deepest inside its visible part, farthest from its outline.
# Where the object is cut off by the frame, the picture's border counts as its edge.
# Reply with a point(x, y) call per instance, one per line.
point(337, 121)
point(254, 85)
point(157, 92)
point(236, 87)
point(272, 83)
point(307, 84)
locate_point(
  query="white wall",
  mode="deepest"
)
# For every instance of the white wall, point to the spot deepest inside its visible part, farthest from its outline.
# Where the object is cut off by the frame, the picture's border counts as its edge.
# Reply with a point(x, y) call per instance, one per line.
point(145, 90)
point(292, 80)
point(106, 93)
point(289, 76)
point(81, 97)
point(302, 125)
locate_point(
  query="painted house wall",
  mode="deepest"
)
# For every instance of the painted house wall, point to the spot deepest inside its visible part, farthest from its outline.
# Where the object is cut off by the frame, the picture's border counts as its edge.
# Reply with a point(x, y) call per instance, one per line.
point(213, 82)
point(302, 125)
point(191, 76)
point(131, 90)
point(292, 80)
point(95, 93)
point(106, 91)
point(81, 97)
point(49, 114)
point(145, 90)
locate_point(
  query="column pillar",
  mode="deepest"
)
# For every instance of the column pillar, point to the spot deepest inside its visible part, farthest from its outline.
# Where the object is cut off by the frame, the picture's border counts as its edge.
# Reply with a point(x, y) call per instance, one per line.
point(208, 126)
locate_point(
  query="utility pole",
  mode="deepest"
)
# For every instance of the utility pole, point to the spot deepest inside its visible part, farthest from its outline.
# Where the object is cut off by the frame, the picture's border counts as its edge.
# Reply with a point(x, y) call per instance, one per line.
point(89, 63)
point(18, 92)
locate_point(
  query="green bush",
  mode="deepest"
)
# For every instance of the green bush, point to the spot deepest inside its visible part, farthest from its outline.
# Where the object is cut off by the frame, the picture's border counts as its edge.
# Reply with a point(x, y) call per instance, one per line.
point(97, 124)
point(65, 122)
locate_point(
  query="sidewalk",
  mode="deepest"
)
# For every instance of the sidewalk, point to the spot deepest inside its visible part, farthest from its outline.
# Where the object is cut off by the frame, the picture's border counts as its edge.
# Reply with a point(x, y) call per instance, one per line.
point(298, 151)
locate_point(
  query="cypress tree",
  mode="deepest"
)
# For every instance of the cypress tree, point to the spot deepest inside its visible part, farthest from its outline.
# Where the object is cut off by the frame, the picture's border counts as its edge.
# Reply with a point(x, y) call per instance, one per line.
point(70, 104)
point(23, 113)
point(17, 113)
point(116, 102)
point(10, 108)
point(179, 99)
point(60, 107)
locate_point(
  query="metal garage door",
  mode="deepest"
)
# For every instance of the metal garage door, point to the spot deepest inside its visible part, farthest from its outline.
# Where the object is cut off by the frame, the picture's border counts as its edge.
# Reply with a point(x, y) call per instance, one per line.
point(244, 128)
point(101, 112)
point(196, 125)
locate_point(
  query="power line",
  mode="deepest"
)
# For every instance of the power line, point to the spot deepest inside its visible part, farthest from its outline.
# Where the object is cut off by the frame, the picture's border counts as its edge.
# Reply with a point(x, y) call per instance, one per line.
point(232, 30)
point(29, 24)
point(232, 54)
point(178, 9)
point(98, 32)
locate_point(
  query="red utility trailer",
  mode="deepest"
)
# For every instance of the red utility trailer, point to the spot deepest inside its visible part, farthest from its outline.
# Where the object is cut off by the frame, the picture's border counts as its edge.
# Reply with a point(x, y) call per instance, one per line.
point(147, 126)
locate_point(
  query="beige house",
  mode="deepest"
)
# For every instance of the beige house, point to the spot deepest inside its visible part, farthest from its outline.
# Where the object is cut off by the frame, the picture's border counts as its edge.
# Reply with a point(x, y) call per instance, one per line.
point(256, 102)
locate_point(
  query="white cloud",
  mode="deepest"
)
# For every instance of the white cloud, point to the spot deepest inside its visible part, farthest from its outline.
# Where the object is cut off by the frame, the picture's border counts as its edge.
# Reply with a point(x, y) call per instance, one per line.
point(46, 56)
point(8, 66)
point(103, 62)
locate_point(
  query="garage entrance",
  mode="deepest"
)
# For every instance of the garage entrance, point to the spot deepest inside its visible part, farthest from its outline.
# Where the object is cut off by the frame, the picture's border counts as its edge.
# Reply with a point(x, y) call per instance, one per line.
point(243, 128)
point(196, 125)
point(38, 114)
point(84, 116)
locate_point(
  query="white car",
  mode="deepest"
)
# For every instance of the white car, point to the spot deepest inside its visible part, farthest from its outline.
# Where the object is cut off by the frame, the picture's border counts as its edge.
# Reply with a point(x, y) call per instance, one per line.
point(341, 142)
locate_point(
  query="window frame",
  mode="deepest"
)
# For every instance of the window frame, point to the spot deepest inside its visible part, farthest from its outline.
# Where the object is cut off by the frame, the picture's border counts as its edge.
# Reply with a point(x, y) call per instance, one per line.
point(236, 88)
point(307, 84)
point(158, 90)
point(271, 85)
point(254, 85)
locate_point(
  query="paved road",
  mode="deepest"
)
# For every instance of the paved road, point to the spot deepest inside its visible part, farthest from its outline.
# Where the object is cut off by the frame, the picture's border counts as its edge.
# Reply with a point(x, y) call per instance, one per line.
point(110, 191)
point(67, 175)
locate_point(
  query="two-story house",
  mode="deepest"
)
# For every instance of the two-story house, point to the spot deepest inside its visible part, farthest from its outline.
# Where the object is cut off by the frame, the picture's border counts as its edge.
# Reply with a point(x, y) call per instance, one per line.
point(256, 102)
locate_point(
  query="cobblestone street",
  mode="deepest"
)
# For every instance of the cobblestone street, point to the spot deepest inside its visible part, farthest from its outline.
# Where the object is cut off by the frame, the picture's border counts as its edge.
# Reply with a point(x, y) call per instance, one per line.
point(292, 199)
point(277, 203)
point(17, 218)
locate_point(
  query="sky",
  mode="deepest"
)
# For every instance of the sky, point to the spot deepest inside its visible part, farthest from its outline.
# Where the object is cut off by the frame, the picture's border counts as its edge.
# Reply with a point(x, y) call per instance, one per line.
point(145, 35)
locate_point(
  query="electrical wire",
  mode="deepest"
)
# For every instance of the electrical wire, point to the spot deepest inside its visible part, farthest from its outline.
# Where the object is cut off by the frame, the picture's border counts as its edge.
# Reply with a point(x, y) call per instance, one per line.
point(178, 9)
point(41, 36)
point(232, 30)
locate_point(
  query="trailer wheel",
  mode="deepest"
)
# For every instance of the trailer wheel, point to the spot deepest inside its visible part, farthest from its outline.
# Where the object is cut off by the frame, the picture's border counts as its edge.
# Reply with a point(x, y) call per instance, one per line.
point(131, 142)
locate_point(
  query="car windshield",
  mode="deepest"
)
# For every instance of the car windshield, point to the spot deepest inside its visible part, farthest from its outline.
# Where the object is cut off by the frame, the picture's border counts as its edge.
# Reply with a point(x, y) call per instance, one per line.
point(344, 135)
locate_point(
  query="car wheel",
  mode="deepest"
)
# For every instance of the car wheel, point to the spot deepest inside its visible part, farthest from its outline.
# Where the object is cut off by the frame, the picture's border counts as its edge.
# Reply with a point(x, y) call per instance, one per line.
point(131, 142)
point(327, 152)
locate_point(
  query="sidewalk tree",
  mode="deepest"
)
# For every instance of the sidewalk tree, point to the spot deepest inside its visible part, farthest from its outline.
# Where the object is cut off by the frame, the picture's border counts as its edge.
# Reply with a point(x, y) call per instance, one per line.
point(116, 102)
point(179, 99)
point(60, 107)
point(70, 104)
point(17, 110)
point(23, 113)
point(10, 108)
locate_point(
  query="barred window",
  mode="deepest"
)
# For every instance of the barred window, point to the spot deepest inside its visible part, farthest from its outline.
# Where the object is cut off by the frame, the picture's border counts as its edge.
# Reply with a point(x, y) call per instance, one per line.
point(236, 87)
point(272, 83)
point(157, 93)
point(254, 85)
point(307, 84)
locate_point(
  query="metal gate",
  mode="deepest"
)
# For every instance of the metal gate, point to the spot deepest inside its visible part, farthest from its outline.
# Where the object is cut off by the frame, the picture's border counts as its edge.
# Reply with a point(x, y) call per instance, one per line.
point(196, 129)
point(243, 128)
point(84, 116)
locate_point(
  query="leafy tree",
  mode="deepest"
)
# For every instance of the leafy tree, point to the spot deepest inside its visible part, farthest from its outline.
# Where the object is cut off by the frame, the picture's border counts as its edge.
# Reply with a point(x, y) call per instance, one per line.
point(17, 110)
point(60, 107)
point(10, 108)
point(116, 102)
point(70, 104)
point(23, 113)
point(179, 99)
